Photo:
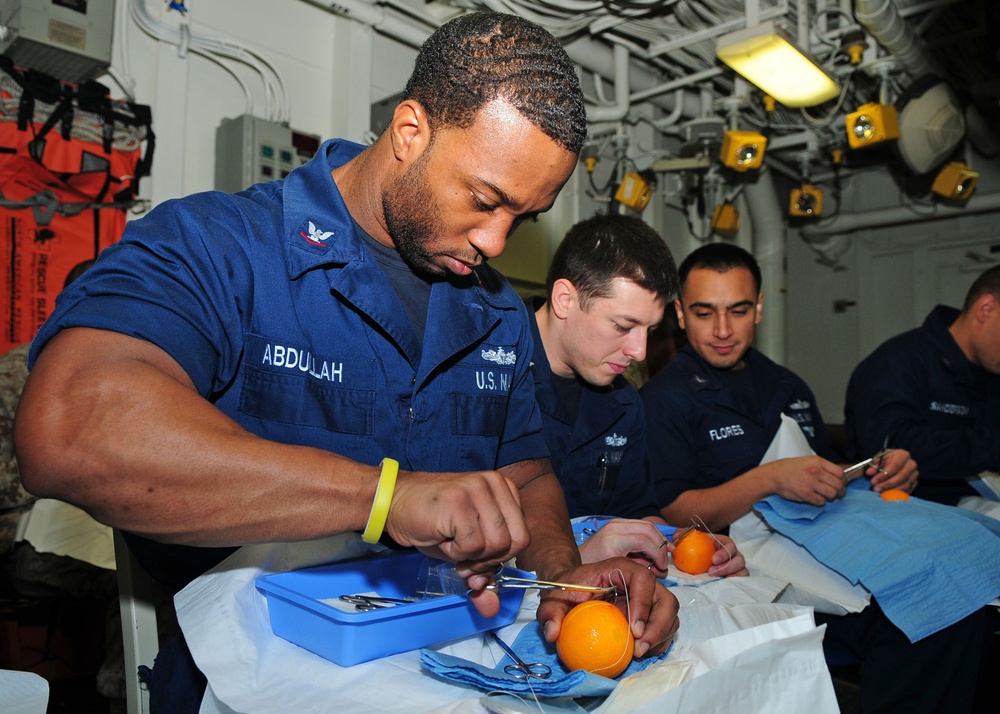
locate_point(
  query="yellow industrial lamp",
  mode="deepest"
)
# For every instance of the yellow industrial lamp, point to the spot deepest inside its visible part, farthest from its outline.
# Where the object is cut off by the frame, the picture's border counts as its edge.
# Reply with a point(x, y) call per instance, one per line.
point(767, 58)
point(726, 220)
point(806, 202)
point(872, 124)
point(742, 150)
point(955, 181)
point(634, 191)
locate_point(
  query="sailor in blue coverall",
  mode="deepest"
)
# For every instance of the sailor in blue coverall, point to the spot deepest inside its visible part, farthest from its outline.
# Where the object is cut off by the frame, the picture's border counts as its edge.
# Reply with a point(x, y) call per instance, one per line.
point(922, 391)
point(283, 360)
point(598, 452)
point(711, 415)
point(606, 288)
point(250, 368)
point(935, 391)
point(724, 431)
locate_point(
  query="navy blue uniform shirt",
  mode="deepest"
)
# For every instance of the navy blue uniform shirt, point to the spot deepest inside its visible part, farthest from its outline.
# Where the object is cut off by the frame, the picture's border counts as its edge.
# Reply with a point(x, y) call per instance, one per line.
point(274, 305)
point(702, 434)
point(921, 391)
point(599, 453)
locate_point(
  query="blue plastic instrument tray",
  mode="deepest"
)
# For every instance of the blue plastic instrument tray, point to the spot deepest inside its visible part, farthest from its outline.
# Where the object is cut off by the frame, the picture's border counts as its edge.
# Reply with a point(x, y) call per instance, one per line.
point(294, 600)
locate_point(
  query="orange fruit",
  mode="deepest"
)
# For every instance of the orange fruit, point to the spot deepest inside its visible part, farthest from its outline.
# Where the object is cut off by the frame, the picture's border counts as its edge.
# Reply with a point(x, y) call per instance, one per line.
point(596, 636)
point(894, 494)
point(693, 552)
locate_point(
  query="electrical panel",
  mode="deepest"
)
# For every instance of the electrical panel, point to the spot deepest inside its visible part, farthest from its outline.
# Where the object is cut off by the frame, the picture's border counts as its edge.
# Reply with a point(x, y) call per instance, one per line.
point(251, 150)
point(66, 39)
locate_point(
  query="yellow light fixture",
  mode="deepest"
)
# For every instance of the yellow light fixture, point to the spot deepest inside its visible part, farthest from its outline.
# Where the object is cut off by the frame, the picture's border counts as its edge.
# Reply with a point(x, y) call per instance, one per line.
point(633, 192)
point(806, 202)
point(726, 220)
point(742, 150)
point(767, 58)
point(955, 181)
point(872, 124)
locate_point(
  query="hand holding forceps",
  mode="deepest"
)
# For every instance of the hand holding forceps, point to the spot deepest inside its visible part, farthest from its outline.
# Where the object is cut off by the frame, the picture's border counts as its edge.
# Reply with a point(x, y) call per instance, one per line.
point(521, 669)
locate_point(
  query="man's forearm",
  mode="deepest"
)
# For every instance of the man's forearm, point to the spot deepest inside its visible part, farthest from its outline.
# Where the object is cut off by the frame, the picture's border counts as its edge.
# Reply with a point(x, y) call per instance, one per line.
point(553, 549)
point(717, 507)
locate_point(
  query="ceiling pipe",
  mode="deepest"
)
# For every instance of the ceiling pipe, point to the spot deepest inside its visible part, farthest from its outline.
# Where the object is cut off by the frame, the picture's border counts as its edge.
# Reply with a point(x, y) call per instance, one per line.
point(375, 16)
point(668, 121)
point(618, 110)
point(851, 221)
point(685, 81)
point(890, 29)
point(768, 234)
point(590, 54)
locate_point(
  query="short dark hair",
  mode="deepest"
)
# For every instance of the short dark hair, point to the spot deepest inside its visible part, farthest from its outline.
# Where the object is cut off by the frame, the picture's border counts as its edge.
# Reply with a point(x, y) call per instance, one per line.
point(599, 249)
point(720, 257)
point(988, 283)
point(476, 58)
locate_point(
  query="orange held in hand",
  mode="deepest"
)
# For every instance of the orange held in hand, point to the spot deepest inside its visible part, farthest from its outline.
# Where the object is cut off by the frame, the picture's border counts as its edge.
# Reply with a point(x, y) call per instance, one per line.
point(693, 552)
point(894, 494)
point(596, 636)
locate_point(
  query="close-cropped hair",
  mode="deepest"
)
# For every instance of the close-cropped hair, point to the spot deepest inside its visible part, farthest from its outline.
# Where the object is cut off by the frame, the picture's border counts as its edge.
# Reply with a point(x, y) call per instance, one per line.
point(988, 283)
point(720, 257)
point(599, 249)
point(477, 58)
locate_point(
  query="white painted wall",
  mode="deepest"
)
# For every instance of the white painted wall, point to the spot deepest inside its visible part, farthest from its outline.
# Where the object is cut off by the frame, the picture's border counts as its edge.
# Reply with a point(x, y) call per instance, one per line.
point(189, 95)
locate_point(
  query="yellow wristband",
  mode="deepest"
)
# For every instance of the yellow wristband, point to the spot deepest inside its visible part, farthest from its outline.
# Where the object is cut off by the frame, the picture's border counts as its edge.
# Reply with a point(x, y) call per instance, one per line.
point(383, 497)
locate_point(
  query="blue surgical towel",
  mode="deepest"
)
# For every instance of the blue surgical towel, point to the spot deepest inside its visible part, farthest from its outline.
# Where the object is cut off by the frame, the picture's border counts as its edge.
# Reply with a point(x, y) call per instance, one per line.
point(927, 565)
point(531, 647)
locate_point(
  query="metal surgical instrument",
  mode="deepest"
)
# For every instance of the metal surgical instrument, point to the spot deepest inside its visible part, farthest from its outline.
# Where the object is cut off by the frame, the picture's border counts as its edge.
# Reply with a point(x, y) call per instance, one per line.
point(521, 669)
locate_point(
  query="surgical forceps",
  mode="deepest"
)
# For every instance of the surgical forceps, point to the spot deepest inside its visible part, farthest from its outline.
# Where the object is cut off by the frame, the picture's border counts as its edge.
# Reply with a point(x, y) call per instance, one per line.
point(521, 669)
point(505, 582)
point(853, 471)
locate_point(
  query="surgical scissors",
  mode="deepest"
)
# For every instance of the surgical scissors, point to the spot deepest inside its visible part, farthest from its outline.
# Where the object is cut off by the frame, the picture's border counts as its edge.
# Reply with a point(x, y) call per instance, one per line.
point(521, 669)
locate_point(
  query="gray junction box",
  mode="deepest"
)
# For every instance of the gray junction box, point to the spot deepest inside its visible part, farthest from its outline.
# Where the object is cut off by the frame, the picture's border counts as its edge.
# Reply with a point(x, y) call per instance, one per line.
point(66, 39)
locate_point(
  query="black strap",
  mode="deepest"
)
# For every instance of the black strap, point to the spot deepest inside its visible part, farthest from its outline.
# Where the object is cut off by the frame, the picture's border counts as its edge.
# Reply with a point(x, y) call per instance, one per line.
point(92, 97)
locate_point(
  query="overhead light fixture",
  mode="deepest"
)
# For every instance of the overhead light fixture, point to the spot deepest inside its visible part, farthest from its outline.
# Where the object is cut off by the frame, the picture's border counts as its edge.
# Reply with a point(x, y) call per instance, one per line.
point(931, 124)
point(806, 202)
point(955, 181)
point(872, 124)
point(726, 220)
point(767, 58)
point(634, 191)
point(742, 150)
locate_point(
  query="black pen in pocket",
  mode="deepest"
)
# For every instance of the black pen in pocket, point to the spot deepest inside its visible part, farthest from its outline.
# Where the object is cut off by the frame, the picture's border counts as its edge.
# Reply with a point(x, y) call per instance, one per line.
point(602, 464)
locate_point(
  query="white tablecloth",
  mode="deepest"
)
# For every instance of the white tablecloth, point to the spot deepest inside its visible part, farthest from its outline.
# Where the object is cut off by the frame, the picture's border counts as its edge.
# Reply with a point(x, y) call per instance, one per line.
point(725, 632)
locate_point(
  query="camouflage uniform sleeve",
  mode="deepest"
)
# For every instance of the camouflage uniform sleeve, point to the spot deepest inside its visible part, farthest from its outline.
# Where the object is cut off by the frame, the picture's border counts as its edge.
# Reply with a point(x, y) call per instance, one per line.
point(14, 500)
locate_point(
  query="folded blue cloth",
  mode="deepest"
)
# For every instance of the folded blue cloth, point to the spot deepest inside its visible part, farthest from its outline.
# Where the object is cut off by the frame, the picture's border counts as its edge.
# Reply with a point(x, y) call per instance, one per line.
point(531, 647)
point(927, 565)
